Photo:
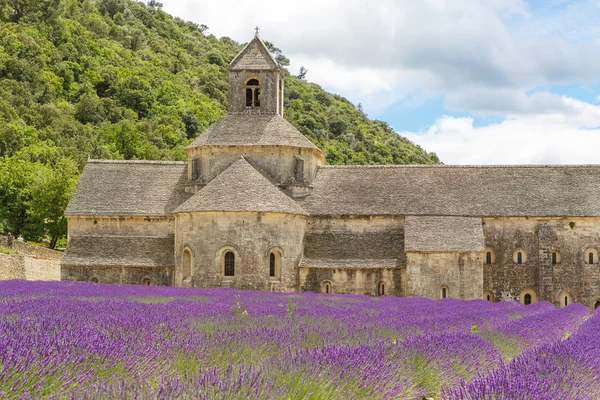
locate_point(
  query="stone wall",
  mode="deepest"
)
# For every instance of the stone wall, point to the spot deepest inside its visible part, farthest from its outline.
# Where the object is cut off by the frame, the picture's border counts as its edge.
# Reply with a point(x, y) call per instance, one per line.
point(539, 237)
point(460, 273)
point(370, 244)
point(121, 226)
point(268, 97)
point(11, 267)
point(162, 276)
point(357, 281)
point(278, 162)
point(251, 237)
point(29, 262)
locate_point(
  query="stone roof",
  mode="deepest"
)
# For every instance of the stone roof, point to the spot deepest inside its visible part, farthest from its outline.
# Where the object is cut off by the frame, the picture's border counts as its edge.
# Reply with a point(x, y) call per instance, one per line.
point(142, 188)
point(353, 249)
point(254, 57)
point(456, 190)
point(241, 188)
point(252, 130)
point(120, 251)
point(443, 234)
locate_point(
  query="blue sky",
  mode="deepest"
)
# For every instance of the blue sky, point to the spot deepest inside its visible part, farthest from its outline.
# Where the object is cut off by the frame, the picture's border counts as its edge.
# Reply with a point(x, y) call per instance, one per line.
point(476, 81)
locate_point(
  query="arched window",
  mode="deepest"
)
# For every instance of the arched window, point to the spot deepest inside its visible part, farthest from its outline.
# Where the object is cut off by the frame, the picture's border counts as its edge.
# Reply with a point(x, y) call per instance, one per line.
point(488, 295)
point(229, 264)
point(94, 279)
point(591, 256)
point(326, 287)
point(147, 282)
point(490, 256)
point(444, 292)
point(187, 264)
point(272, 265)
point(565, 299)
point(381, 289)
point(556, 258)
point(275, 263)
point(519, 256)
point(252, 93)
point(528, 296)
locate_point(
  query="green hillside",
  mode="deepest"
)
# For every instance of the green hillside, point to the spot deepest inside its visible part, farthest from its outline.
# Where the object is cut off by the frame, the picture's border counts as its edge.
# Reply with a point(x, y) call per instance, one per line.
point(124, 80)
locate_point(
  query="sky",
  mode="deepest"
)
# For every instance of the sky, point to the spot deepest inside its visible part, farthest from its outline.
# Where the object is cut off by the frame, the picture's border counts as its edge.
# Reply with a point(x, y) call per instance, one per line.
point(476, 81)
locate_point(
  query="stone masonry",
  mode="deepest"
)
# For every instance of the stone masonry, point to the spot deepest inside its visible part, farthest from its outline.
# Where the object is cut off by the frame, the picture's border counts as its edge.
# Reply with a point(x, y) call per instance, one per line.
point(256, 208)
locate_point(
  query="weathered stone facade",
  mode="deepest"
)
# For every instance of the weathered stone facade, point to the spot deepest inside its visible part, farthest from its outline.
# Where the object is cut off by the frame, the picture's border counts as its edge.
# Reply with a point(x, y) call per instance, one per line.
point(256, 208)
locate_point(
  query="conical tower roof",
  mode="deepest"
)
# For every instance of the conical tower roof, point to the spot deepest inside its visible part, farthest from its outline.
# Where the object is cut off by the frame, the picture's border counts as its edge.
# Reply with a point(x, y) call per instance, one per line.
point(241, 188)
point(252, 130)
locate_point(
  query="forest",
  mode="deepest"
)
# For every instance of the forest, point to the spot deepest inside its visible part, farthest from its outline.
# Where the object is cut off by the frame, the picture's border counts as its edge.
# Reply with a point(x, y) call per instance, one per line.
point(118, 79)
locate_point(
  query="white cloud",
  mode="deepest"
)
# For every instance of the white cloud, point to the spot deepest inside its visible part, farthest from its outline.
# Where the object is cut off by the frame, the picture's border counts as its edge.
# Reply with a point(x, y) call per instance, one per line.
point(363, 49)
point(484, 57)
point(553, 138)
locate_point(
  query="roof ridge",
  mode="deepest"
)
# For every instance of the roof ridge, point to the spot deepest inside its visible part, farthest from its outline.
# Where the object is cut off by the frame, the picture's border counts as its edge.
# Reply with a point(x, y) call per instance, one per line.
point(508, 166)
point(97, 161)
point(259, 194)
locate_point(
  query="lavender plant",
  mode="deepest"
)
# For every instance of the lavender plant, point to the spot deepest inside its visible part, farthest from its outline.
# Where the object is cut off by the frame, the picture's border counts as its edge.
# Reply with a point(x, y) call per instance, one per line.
point(84, 340)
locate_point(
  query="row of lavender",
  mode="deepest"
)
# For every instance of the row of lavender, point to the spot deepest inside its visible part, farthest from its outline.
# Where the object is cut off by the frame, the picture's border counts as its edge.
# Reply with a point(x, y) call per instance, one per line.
point(85, 340)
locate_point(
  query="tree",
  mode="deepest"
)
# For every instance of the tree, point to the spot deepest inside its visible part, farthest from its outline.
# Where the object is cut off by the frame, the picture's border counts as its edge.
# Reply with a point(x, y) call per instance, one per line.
point(155, 4)
point(52, 190)
point(302, 73)
point(281, 60)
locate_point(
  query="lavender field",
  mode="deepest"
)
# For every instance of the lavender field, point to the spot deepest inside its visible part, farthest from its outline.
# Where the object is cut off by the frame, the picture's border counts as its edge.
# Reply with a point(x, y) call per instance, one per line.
point(84, 340)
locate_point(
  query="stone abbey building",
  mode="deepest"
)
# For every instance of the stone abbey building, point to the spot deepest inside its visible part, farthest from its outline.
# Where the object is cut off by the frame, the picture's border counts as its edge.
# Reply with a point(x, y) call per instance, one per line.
point(256, 208)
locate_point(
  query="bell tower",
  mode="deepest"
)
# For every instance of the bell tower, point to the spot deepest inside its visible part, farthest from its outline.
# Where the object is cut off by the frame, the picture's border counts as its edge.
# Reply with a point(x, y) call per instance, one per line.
point(255, 81)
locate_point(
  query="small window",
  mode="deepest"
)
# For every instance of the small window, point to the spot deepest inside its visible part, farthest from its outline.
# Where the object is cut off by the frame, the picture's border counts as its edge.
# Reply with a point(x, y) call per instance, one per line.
point(326, 287)
point(272, 265)
point(556, 258)
point(444, 292)
point(94, 280)
point(490, 256)
point(229, 264)
point(591, 256)
point(565, 299)
point(147, 282)
point(519, 256)
point(488, 295)
point(252, 89)
point(528, 296)
point(187, 264)
point(381, 289)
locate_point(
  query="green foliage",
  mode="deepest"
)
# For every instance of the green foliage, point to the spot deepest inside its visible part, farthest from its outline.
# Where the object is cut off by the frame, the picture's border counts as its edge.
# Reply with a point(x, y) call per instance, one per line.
point(120, 79)
point(290, 308)
point(238, 308)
